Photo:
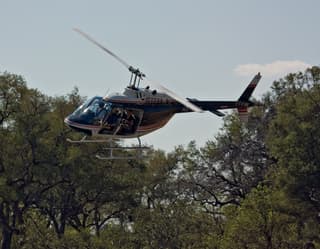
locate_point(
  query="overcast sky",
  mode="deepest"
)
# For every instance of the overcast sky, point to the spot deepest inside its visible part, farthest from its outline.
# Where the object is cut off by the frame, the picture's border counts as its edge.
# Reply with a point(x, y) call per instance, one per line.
point(200, 49)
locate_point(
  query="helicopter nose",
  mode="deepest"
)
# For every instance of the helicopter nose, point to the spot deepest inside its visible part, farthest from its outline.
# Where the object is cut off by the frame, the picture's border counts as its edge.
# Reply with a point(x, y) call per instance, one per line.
point(69, 120)
point(75, 125)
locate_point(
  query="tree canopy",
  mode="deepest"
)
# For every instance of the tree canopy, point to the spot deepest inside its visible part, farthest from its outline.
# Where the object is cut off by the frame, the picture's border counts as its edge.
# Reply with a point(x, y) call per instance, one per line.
point(254, 185)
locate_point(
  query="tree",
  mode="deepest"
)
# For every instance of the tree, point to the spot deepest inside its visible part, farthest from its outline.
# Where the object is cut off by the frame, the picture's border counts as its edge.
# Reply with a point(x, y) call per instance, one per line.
point(178, 225)
point(228, 167)
point(294, 137)
point(260, 223)
point(255, 185)
point(15, 173)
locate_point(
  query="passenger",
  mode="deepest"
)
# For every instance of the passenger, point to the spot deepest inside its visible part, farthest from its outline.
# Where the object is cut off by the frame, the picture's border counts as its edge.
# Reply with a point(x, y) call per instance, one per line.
point(130, 121)
point(115, 117)
point(131, 118)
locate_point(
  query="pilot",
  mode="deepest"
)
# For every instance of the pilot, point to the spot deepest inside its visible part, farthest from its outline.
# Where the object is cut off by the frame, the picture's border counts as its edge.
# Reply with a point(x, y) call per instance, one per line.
point(101, 112)
point(101, 104)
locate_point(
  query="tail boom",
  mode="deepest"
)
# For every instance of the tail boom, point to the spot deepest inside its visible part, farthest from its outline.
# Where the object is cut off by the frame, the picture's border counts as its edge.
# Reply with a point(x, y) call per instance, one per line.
point(241, 104)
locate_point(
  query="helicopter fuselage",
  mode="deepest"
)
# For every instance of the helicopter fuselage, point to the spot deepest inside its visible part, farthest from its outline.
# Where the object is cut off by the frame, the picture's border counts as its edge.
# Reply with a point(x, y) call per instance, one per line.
point(139, 111)
point(134, 113)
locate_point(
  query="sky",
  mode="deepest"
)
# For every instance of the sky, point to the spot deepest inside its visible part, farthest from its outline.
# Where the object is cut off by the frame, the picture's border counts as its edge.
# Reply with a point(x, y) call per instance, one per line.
point(204, 49)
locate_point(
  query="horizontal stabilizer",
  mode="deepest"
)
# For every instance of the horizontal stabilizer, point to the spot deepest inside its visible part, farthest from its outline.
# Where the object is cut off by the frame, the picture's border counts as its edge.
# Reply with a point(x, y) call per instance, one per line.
point(220, 114)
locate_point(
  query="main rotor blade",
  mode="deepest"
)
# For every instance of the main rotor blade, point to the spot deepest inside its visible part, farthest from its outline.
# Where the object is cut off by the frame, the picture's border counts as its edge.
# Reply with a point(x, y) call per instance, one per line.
point(103, 48)
point(179, 99)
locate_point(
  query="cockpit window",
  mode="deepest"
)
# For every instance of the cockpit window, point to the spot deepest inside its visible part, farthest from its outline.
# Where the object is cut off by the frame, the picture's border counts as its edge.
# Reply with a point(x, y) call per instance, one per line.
point(94, 106)
point(111, 118)
point(94, 111)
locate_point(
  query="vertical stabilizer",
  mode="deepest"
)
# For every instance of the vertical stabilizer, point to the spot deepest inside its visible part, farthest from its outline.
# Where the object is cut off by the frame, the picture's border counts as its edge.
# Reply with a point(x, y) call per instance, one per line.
point(243, 101)
point(245, 96)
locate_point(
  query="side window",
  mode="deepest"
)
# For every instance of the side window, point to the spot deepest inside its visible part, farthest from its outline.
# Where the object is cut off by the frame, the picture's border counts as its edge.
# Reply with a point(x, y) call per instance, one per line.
point(121, 121)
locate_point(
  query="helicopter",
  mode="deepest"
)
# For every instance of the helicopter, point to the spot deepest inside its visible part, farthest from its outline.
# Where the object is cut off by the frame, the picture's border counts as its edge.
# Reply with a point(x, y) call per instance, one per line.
point(139, 111)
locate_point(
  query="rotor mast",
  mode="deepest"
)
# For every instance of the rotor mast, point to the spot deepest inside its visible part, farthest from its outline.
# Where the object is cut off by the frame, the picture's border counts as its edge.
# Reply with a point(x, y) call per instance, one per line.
point(136, 77)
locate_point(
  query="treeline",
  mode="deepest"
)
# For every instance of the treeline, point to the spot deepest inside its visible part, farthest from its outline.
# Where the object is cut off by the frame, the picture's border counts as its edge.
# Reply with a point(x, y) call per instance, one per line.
point(254, 185)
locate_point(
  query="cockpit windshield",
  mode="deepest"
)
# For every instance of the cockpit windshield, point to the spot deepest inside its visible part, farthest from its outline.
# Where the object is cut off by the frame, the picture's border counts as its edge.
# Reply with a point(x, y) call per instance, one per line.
point(81, 108)
point(95, 106)
point(92, 111)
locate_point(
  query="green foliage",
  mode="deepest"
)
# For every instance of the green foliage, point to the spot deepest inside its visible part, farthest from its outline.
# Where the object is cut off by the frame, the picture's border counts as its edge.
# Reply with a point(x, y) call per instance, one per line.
point(294, 137)
point(260, 223)
point(254, 185)
point(179, 225)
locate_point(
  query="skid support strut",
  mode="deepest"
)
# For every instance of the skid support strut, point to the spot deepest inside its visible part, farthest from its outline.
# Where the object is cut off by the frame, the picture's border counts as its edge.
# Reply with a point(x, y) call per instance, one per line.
point(111, 148)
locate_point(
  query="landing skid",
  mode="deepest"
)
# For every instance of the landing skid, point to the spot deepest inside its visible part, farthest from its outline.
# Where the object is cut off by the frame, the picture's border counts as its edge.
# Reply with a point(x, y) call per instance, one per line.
point(110, 155)
point(86, 140)
point(139, 149)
